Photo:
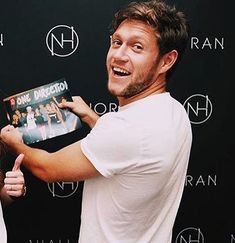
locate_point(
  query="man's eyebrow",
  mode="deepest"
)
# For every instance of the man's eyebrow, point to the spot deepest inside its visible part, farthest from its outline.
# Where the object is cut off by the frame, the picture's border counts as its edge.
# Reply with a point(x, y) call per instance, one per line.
point(135, 37)
point(115, 35)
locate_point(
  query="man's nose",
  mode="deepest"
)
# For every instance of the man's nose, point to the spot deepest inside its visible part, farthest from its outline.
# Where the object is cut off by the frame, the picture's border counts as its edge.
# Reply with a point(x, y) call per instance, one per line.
point(121, 53)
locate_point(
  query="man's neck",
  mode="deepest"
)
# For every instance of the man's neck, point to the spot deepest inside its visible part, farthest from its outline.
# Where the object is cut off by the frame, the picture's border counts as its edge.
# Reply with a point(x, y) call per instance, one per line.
point(154, 89)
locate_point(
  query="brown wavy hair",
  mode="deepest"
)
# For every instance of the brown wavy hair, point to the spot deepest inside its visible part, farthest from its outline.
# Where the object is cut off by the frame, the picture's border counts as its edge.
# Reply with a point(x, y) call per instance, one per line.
point(171, 27)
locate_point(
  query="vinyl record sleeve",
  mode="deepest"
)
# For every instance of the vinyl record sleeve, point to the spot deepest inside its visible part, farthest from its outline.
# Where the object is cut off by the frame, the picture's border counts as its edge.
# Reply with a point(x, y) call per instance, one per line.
point(36, 113)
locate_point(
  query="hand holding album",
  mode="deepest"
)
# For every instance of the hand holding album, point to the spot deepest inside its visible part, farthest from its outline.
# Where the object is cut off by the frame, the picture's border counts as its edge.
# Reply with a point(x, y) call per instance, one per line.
point(37, 112)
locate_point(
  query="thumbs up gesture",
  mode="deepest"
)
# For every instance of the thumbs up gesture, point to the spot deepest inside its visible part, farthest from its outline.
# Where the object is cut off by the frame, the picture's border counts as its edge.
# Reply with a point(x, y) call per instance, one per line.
point(14, 182)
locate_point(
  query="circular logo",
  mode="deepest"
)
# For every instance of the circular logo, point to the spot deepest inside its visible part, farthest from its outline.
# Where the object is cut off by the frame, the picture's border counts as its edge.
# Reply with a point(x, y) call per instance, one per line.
point(63, 189)
point(199, 108)
point(190, 235)
point(62, 40)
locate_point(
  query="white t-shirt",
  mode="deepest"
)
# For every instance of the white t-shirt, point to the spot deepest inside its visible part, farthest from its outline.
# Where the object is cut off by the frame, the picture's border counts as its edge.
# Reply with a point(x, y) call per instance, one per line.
point(142, 153)
point(3, 233)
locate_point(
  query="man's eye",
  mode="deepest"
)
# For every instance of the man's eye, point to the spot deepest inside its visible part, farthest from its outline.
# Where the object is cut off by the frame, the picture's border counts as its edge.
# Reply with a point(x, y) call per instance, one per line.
point(137, 47)
point(116, 43)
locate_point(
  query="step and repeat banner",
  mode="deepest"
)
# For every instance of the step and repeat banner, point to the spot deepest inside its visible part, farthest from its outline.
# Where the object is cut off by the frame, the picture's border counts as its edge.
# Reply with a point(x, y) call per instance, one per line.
point(45, 41)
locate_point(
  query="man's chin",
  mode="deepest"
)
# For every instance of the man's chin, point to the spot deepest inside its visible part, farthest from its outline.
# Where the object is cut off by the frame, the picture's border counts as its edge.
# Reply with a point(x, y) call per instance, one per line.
point(113, 92)
point(122, 93)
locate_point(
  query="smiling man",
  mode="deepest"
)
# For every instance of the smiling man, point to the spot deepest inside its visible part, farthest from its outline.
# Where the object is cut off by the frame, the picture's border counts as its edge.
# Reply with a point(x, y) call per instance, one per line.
point(133, 161)
point(132, 62)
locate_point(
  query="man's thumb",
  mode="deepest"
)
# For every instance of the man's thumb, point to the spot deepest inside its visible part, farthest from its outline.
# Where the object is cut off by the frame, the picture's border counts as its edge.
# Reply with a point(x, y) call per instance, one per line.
point(18, 162)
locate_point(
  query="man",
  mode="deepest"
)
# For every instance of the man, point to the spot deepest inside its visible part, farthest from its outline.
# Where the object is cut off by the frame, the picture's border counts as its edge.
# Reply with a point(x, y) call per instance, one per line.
point(134, 161)
point(11, 188)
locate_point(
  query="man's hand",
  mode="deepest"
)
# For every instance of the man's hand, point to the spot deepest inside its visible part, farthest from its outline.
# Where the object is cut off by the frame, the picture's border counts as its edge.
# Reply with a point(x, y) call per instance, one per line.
point(80, 108)
point(14, 183)
point(11, 136)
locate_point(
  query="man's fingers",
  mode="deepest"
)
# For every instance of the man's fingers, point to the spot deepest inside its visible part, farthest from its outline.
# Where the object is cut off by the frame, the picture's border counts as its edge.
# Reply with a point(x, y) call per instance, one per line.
point(18, 162)
point(13, 187)
point(77, 98)
point(7, 128)
point(14, 177)
point(67, 104)
point(15, 190)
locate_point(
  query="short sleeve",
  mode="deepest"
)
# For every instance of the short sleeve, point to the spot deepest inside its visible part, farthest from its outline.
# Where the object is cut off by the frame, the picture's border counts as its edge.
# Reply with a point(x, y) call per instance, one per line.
point(110, 148)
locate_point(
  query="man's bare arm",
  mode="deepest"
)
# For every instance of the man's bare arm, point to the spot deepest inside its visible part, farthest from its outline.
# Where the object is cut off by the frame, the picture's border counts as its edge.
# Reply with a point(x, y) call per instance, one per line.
point(67, 164)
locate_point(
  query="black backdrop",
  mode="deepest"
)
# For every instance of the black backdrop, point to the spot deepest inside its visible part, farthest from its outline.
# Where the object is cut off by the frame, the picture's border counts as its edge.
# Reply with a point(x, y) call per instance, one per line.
point(32, 53)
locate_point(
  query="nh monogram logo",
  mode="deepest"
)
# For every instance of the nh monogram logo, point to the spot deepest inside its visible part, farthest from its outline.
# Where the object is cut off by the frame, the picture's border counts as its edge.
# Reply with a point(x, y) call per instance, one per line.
point(190, 235)
point(62, 40)
point(63, 189)
point(199, 108)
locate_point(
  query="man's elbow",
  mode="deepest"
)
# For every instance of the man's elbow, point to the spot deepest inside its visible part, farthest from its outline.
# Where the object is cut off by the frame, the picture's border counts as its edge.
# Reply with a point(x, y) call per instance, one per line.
point(45, 175)
point(43, 168)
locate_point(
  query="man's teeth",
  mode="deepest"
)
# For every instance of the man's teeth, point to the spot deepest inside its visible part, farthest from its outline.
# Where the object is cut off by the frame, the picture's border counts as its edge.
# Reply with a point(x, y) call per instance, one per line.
point(120, 71)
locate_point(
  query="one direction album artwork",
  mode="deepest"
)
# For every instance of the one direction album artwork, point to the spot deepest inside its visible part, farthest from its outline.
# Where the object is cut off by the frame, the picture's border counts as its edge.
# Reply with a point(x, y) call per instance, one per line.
point(37, 115)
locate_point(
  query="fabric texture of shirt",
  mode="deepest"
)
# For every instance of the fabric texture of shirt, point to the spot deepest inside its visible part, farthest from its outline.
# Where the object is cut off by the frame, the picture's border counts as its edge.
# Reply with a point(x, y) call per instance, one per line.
point(142, 152)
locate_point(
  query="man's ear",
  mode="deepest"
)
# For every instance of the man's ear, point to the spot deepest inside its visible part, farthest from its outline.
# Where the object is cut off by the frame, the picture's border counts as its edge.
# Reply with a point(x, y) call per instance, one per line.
point(168, 60)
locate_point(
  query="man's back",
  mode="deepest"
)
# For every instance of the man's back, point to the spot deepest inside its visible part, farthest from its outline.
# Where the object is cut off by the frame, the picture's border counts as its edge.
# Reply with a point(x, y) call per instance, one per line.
point(142, 151)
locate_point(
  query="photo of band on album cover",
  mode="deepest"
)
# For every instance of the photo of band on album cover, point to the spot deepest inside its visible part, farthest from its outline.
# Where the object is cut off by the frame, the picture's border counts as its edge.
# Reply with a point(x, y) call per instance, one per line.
point(37, 115)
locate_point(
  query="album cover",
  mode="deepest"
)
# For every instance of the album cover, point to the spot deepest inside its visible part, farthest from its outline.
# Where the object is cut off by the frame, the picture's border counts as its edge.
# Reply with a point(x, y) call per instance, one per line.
point(37, 115)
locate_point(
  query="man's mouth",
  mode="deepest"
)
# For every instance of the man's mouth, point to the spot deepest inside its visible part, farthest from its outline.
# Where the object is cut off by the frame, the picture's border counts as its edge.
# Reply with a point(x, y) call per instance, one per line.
point(120, 72)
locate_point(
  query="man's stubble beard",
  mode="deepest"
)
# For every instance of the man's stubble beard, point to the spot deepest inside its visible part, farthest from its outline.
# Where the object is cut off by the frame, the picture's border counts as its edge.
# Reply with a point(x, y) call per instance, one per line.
point(135, 88)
